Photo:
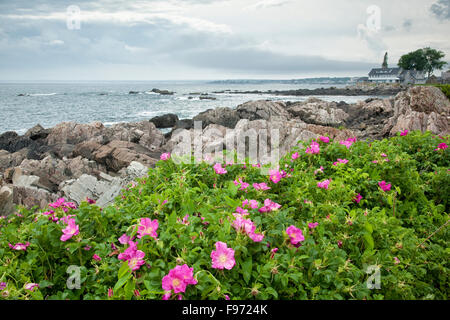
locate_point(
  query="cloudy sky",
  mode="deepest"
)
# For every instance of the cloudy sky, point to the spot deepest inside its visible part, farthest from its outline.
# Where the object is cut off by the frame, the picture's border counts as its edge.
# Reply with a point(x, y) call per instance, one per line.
point(212, 39)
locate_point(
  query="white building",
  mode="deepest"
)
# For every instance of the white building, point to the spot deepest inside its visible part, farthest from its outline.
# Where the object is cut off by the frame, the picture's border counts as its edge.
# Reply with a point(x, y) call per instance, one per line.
point(396, 75)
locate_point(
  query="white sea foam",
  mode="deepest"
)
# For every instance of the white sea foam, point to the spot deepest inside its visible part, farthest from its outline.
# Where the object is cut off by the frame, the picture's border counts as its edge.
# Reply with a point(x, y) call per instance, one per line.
point(112, 123)
point(147, 113)
point(41, 94)
point(21, 131)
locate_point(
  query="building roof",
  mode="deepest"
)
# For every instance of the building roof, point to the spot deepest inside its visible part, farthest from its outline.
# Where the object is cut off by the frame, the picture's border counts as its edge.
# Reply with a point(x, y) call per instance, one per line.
point(384, 72)
point(418, 75)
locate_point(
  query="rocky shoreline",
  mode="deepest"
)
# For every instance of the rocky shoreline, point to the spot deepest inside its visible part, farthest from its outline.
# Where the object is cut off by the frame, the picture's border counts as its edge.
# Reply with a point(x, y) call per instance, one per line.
point(76, 161)
point(362, 89)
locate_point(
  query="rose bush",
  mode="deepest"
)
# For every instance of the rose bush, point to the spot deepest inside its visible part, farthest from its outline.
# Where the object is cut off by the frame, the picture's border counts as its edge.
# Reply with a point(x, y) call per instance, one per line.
point(309, 230)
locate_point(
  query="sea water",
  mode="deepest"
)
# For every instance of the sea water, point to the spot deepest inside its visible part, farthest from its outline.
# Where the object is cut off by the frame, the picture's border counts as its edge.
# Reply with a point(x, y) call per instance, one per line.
point(25, 104)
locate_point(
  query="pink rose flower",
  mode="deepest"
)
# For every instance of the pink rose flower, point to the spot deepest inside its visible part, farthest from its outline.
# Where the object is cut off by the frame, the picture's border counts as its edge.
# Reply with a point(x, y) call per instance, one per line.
point(19, 246)
point(165, 156)
point(357, 198)
point(31, 286)
point(218, 169)
point(384, 186)
point(222, 257)
point(71, 230)
point(295, 235)
point(261, 186)
point(313, 225)
point(324, 184)
point(441, 146)
point(275, 176)
point(343, 161)
point(147, 227)
point(269, 206)
point(177, 280)
point(314, 148)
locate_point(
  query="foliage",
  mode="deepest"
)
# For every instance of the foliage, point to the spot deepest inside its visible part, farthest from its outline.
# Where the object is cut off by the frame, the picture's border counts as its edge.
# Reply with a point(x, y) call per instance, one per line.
point(425, 59)
point(402, 231)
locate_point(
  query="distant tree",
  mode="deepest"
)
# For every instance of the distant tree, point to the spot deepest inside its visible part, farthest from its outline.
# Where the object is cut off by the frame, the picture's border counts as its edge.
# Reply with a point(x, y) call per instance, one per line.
point(426, 59)
point(385, 61)
point(434, 61)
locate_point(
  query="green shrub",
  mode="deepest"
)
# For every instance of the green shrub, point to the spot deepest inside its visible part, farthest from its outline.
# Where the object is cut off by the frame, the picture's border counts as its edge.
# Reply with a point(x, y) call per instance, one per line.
point(402, 231)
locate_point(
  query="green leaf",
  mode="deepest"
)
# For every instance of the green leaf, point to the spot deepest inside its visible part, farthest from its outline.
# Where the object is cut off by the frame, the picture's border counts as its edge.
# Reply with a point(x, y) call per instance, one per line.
point(129, 289)
point(247, 269)
point(232, 188)
point(45, 284)
point(368, 227)
point(368, 241)
point(172, 219)
point(272, 291)
point(121, 282)
point(124, 269)
point(37, 295)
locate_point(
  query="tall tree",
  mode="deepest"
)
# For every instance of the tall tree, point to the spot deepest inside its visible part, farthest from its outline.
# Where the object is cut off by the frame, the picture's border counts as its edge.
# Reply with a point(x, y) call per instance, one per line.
point(434, 61)
point(426, 59)
point(385, 61)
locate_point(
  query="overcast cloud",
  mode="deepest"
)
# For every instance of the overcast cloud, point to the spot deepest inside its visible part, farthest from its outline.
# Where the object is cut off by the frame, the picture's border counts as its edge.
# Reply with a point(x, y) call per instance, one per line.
point(213, 39)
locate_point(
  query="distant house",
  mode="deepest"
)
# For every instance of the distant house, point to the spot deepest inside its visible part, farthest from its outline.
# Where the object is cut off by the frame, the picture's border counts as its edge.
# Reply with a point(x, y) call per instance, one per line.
point(413, 77)
point(396, 75)
point(385, 75)
point(446, 76)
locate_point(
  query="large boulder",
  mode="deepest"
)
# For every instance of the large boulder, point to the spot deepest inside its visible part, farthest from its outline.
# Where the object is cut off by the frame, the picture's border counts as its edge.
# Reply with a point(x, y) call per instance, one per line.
point(315, 111)
point(103, 188)
point(74, 133)
point(51, 171)
point(143, 133)
point(420, 108)
point(119, 154)
point(6, 201)
point(267, 137)
point(226, 117)
point(33, 196)
point(8, 160)
point(86, 149)
point(368, 118)
point(37, 132)
point(12, 142)
point(263, 110)
point(165, 121)
point(370, 111)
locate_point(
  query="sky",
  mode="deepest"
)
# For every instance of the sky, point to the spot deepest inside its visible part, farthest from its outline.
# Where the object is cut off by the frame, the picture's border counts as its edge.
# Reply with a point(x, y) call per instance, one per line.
point(213, 39)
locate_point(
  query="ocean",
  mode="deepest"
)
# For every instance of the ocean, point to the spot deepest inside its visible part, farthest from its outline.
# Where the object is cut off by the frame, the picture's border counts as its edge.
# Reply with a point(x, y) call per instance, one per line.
point(25, 104)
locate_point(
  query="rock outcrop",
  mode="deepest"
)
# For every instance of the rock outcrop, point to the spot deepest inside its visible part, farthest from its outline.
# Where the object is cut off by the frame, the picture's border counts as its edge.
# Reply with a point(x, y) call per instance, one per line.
point(165, 121)
point(316, 111)
point(6, 201)
point(420, 108)
point(226, 117)
point(264, 110)
point(104, 188)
